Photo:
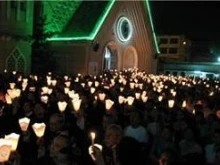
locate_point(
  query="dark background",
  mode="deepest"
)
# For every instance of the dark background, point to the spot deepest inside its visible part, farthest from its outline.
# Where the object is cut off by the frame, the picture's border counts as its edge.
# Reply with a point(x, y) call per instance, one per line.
point(198, 20)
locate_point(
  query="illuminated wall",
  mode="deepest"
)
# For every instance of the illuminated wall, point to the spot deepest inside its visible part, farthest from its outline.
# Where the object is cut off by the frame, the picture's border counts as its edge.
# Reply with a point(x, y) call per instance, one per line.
point(141, 40)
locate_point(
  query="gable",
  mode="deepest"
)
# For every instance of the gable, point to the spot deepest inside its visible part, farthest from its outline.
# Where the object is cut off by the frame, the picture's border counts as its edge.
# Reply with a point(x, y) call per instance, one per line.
point(93, 14)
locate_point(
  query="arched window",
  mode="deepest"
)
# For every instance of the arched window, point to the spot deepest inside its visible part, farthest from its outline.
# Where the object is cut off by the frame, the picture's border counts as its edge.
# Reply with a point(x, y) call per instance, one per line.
point(15, 61)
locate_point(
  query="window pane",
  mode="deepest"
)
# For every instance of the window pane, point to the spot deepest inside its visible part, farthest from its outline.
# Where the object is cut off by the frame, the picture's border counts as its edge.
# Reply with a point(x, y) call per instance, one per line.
point(173, 50)
point(163, 50)
point(23, 6)
point(163, 41)
point(173, 40)
point(13, 4)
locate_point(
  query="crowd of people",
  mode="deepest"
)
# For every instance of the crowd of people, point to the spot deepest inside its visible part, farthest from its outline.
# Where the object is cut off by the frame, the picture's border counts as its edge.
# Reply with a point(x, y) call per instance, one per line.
point(135, 117)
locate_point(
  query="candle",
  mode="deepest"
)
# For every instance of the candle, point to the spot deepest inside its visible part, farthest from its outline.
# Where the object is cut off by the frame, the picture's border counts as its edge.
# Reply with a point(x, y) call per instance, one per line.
point(101, 96)
point(90, 83)
point(92, 90)
point(171, 103)
point(130, 100)
point(66, 77)
point(121, 99)
point(17, 92)
point(39, 129)
point(92, 134)
point(5, 150)
point(12, 85)
point(44, 90)
point(137, 95)
point(96, 83)
point(24, 123)
point(160, 98)
point(144, 98)
point(83, 85)
point(62, 105)
point(108, 104)
point(132, 85)
point(76, 104)
point(53, 82)
point(66, 90)
point(67, 83)
point(184, 104)
point(8, 99)
point(13, 137)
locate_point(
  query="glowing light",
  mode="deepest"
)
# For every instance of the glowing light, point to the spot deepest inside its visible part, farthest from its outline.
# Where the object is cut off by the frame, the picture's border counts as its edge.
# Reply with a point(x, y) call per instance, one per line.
point(92, 134)
point(24, 123)
point(5, 149)
point(39, 129)
point(120, 23)
point(13, 137)
point(152, 25)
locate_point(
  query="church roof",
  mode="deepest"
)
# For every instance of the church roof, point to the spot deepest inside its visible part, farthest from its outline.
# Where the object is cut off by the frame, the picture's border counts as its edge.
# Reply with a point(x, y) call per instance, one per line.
point(86, 21)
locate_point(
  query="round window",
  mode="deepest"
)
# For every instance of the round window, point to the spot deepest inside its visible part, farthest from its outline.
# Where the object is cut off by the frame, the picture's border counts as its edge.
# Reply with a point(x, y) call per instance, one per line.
point(124, 29)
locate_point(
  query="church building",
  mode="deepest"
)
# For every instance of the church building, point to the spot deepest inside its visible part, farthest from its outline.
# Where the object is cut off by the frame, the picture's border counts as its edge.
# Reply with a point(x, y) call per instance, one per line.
point(89, 36)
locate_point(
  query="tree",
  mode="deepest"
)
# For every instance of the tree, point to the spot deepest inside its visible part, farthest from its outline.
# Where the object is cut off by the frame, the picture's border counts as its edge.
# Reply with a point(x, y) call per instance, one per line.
point(43, 59)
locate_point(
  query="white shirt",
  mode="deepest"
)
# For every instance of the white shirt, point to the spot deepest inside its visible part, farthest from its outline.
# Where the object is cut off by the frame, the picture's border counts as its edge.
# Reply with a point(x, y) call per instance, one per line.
point(139, 133)
point(210, 153)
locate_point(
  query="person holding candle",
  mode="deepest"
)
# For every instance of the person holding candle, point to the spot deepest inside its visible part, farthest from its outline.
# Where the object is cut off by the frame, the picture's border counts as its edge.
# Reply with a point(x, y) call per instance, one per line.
point(108, 155)
point(128, 152)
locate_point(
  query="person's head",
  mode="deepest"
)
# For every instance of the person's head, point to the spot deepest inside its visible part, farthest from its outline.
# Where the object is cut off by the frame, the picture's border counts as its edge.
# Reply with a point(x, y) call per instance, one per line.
point(129, 152)
point(180, 115)
point(210, 118)
point(199, 117)
point(167, 157)
point(113, 135)
point(39, 111)
point(135, 119)
point(189, 134)
point(216, 137)
point(108, 119)
point(59, 146)
point(31, 97)
point(217, 155)
point(56, 122)
point(166, 133)
point(217, 113)
point(155, 114)
point(28, 107)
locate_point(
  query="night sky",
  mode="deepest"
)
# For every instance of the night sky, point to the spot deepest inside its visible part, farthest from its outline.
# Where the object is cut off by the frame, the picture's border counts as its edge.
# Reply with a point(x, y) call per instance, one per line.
point(198, 20)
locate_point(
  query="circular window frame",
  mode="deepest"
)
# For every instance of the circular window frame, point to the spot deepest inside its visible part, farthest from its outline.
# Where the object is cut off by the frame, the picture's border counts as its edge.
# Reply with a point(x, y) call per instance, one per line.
point(119, 29)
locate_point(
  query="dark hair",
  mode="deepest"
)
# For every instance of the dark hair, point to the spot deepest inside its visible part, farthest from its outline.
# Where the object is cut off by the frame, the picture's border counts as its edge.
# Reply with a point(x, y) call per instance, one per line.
point(129, 152)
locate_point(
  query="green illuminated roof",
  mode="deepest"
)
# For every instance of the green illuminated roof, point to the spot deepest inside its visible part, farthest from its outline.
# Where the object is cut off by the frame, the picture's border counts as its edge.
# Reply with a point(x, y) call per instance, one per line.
point(89, 12)
point(58, 13)
point(93, 14)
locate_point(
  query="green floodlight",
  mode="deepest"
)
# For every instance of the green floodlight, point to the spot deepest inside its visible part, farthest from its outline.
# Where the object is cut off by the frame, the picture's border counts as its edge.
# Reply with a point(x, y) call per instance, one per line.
point(152, 26)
